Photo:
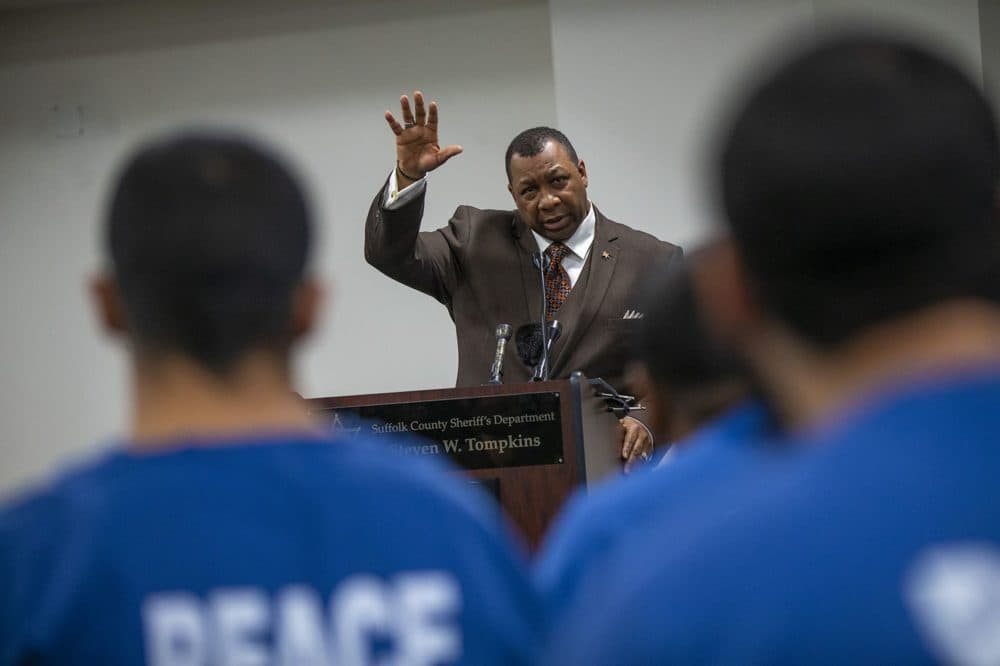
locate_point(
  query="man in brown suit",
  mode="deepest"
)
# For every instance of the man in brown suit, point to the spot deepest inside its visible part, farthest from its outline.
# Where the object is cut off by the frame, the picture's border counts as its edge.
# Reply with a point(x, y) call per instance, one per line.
point(484, 267)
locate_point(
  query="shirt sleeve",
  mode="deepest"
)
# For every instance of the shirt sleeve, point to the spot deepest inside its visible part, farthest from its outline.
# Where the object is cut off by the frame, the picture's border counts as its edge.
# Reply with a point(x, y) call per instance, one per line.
point(396, 198)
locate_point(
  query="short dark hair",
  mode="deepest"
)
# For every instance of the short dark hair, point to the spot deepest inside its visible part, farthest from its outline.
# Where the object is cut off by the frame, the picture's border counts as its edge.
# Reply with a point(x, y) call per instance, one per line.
point(672, 341)
point(532, 141)
point(208, 236)
point(859, 181)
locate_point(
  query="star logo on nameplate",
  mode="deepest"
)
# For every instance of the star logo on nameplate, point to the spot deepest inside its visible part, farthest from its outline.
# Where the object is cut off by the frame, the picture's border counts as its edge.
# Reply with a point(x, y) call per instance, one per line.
point(605, 255)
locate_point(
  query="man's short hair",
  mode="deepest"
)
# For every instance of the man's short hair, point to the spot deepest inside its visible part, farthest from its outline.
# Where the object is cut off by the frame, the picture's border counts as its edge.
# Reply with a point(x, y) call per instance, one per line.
point(859, 181)
point(208, 237)
point(532, 141)
point(673, 342)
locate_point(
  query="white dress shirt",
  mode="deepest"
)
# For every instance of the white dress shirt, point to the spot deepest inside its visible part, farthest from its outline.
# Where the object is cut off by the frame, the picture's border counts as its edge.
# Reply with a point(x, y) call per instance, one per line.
point(579, 246)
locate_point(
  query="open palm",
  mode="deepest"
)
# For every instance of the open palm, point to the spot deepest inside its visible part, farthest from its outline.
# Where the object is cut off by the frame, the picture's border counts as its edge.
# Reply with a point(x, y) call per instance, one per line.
point(417, 149)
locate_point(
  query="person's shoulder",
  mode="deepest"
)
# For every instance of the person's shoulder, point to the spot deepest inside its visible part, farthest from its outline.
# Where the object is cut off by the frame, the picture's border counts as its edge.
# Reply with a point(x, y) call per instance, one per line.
point(590, 523)
point(47, 527)
point(680, 569)
point(399, 471)
point(493, 217)
point(607, 507)
point(638, 238)
point(614, 506)
point(58, 499)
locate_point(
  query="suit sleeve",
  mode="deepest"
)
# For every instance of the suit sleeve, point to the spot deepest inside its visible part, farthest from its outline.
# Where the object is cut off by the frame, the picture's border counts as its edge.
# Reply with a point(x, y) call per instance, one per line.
point(428, 261)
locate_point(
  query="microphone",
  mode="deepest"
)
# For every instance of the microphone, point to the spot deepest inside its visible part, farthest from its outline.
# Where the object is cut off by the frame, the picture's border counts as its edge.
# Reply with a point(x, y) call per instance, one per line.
point(529, 344)
point(542, 264)
point(503, 333)
point(542, 371)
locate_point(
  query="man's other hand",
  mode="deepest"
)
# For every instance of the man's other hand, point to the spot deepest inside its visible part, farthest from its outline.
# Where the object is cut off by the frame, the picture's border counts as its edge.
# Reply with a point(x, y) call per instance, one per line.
point(417, 148)
point(637, 444)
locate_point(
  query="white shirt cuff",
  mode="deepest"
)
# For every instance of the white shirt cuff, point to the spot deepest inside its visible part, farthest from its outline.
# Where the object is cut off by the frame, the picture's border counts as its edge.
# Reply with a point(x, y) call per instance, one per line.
point(396, 198)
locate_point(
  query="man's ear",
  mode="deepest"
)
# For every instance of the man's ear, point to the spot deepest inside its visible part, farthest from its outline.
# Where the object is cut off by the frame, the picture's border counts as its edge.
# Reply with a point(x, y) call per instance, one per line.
point(107, 304)
point(724, 294)
point(307, 302)
point(582, 168)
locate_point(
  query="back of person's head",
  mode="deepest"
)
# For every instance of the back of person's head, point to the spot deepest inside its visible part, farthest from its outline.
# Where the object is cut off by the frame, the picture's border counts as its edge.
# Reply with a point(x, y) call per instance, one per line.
point(208, 237)
point(691, 378)
point(859, 181)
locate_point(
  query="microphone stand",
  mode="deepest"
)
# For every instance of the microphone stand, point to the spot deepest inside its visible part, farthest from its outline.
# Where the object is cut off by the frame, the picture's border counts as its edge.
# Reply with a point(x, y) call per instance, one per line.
point(542, 371)
point(539, 260)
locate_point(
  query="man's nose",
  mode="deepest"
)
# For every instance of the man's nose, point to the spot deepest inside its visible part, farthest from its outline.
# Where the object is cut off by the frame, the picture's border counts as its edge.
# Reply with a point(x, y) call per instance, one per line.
point(549, 200)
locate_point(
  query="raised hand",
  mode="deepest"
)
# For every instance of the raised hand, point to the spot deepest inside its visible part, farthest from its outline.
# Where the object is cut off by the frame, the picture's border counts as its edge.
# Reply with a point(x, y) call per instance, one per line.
point(417, 148)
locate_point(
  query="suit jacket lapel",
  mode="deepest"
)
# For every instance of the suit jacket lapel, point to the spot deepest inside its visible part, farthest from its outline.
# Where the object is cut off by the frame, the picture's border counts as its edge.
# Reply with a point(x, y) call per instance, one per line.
point(531, 282)
point(602, 260)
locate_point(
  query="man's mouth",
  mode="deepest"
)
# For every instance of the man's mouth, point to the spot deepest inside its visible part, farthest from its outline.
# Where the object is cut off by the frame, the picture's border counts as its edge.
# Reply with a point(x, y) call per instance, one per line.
point(554, 221)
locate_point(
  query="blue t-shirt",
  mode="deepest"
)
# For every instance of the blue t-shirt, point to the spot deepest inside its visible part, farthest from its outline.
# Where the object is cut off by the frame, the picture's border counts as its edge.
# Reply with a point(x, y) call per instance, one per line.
point(877, 542)
point(594, 524)
point(275, 550)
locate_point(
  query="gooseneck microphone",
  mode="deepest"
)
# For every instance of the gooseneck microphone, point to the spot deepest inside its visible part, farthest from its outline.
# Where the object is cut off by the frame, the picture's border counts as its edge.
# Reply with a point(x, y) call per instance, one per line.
point(548, 339)
point(542, 263)
point(503, 333)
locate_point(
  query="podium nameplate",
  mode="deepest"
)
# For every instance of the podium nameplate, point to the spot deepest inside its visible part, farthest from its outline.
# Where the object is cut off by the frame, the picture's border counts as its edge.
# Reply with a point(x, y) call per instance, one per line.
point(476, 433)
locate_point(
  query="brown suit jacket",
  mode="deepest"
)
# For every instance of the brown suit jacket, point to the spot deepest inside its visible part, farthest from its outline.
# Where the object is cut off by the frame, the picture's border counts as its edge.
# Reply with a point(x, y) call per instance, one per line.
point(480, 267)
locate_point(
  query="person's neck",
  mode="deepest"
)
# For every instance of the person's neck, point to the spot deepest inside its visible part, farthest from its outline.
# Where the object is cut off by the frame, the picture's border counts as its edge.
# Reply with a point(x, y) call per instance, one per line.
point(808, 385)
point(176, 398)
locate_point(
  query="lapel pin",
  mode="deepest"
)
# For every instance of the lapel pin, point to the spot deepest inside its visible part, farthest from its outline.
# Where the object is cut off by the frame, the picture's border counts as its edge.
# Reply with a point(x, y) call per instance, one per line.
point(605, 255)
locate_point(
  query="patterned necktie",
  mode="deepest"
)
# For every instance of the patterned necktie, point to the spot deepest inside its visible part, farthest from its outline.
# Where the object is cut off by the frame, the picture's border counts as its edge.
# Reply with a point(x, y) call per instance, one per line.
point(557, 285)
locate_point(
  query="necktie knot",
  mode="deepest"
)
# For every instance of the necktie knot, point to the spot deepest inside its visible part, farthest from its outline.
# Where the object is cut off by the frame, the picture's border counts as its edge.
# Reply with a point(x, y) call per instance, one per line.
point(556, 251)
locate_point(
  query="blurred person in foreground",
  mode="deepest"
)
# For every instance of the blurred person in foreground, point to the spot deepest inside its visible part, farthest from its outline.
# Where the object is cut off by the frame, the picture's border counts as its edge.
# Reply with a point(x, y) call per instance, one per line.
point(699, 398)
point(859, 182)
point(227, 528)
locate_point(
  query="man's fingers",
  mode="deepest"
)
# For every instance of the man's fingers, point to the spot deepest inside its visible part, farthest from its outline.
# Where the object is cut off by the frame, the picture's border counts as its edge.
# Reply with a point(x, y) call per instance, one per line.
point(432, 116)
point(394, 125)
point(404, 105)
point(630, 440)
point(447, 153)
point(418, 101)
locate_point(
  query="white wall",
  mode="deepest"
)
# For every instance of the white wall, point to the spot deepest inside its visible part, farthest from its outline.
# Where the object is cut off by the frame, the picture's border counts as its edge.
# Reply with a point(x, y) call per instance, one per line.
point(989, 36)
point(312, 77)
point(635, 84)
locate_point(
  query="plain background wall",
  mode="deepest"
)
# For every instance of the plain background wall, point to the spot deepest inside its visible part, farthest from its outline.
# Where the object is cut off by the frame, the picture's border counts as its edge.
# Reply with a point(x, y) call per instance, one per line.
point(989, 34)
point(635, 83)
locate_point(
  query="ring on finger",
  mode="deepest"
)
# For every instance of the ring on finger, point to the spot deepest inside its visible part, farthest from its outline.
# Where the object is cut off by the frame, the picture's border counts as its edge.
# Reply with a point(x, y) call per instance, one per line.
point(409, 125)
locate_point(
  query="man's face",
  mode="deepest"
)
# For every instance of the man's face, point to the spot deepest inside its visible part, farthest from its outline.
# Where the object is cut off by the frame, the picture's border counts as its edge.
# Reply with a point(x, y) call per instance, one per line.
point(550, 191)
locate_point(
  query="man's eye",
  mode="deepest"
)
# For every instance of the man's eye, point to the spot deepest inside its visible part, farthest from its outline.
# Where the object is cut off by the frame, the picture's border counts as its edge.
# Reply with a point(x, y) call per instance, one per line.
point(560, 180)
point(525, 192)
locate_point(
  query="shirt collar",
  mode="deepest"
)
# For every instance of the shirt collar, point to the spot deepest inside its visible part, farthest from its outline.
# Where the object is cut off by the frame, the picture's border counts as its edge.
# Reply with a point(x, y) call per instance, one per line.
point(581, 240)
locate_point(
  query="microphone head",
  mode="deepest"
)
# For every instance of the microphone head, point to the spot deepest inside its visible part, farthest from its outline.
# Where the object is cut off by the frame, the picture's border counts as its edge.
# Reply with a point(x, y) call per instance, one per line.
point(504, 331)
point(540, 260)
point(528, 340)
point(555, 330)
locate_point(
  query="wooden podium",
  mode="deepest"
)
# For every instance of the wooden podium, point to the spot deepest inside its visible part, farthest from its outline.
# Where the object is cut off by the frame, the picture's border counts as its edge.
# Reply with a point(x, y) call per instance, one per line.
point(528, 444)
